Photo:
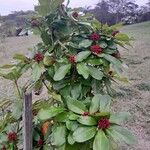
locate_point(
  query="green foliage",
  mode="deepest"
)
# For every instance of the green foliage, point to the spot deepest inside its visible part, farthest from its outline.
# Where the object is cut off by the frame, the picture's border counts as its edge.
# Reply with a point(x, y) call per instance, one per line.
point(77, 61)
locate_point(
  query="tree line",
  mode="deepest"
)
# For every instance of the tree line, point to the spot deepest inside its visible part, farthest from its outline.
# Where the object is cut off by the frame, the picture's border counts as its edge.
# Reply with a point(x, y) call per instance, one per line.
point(106, 11)
point(115, 11)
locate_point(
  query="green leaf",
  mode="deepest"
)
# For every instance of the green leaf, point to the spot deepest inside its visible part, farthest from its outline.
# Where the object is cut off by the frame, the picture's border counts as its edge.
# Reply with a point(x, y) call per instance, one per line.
point(83, 70)
point(45, 114)
point(82, 56)
point(87, 120)
point(47, 6)
point(76, 106)
point(59, 135)
point(120, 134)
point(105, 101)
point(119, 117)
point(103, 44)
point(71, 125)
point(85, 43)
point(95, 104)
point(61, 72)
point(83, 134)
point(20, 57)
point(117, 64)
point(96, 73)
point(71, 141)
point(73, 116)
point(76, 91)
point(122, 37)
point(17, 110)
point(96, 62)
point(37, 71)
point(101, 142)
point(62, 117)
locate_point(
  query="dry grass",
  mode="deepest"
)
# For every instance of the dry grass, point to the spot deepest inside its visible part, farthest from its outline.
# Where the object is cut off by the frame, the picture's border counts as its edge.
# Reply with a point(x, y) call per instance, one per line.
point(134, 97)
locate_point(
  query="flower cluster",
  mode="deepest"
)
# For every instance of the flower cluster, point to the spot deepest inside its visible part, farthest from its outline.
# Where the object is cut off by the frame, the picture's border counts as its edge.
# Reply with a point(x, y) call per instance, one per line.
point(103, 123)
point(96, 49)
point(12, 136)
point(71, 59)
point(94, 36)
point(38, 57)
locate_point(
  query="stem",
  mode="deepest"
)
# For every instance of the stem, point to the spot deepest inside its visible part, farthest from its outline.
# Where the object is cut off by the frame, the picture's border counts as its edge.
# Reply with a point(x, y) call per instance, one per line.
point(47, 87)
point(16, 84)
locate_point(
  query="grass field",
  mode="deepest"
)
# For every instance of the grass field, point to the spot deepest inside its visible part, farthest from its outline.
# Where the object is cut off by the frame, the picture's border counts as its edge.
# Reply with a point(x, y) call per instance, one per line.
point(133, 97)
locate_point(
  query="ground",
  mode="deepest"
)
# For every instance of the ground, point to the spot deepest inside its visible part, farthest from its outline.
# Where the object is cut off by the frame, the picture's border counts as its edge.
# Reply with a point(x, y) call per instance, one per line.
point(133, 97)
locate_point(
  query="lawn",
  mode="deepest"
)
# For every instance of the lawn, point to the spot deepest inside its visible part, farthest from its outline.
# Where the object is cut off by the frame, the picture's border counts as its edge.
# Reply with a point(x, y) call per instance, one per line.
point(133, 97)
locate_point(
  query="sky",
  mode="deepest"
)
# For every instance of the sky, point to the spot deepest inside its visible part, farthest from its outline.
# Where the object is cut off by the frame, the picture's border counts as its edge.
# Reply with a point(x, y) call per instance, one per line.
point(7, 6)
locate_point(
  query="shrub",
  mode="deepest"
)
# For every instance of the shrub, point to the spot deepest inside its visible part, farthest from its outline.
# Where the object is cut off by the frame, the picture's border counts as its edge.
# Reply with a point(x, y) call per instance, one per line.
point(77, 62)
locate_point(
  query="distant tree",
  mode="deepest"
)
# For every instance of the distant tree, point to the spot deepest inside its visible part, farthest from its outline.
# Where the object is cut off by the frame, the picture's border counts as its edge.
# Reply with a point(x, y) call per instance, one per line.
point(120, 7)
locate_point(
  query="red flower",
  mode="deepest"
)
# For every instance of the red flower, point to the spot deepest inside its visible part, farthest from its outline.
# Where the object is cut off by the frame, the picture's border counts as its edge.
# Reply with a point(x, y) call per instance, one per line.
point(114, 33)
point(94, 36)
point(116, 55)
point(12, 136)
point(75, 15)
point(38, 57)
point(85, 114)
point(96, 49)
point(40, 142)
point(103, 123)
point(71, 59)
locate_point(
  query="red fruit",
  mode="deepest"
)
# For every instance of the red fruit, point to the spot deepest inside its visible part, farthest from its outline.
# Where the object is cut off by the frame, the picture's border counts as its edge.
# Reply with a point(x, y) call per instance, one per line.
point(96, 49)
point(38, 57)
point(12, 136)
point(94, 36)
point(114, 33)
point(75, 15)
point(71, 59)
point(40, 142)
point(85, 114)
point(116, 55)
point(103, 123)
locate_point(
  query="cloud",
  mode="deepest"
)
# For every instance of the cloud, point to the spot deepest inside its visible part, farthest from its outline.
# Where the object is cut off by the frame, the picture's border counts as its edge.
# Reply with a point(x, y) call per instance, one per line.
point(7, 6)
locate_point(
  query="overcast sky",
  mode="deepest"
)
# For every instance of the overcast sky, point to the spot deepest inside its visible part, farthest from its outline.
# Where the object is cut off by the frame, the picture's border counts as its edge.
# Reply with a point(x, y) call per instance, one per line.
point(7, 6)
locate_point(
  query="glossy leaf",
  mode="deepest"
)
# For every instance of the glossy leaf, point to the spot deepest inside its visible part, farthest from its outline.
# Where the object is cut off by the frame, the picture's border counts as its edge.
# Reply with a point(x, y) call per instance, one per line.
point(119, 117)
point(85, 43)
point(96, 73)
point(83, 134)
point(45, 114)
point(83, 70)
point(82, 55)
point(87, 120)
point(105, 101)
point(95, 104)
point(101, 142)
point(120, 134)
point(59, 135)
point(61, 72)
point(76, 106)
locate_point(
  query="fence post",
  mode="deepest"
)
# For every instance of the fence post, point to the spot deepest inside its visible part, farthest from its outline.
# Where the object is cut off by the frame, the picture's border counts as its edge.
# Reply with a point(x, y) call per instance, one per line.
point(27, 122)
